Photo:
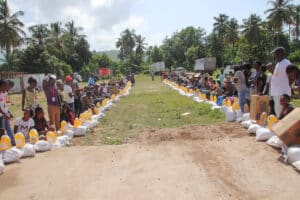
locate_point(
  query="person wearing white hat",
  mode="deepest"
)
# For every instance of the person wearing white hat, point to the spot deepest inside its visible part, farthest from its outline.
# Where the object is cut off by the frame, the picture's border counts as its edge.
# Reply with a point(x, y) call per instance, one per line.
point(53, 100)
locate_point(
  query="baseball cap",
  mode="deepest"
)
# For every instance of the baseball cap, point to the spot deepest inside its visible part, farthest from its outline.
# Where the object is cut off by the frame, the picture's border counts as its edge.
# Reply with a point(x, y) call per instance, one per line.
point(52, 76)
point(68, 78)
point(278, 50)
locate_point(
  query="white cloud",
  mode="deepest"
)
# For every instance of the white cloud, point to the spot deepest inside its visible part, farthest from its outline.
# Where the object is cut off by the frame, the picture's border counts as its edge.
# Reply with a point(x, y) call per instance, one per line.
point(102, 20)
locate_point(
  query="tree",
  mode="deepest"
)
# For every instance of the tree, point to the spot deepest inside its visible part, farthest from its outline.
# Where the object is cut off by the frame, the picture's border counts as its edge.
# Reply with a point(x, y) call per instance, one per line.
point(296, 22)
point(220, 25)
point(252, 29)
point(232, 34)
point(73, 31)
point(140, 44)
point(279, 14)
point(11, 29)
point(39, 34)
point(156, 55)
point(220, 28)
point(126, 44)
point(175, 49)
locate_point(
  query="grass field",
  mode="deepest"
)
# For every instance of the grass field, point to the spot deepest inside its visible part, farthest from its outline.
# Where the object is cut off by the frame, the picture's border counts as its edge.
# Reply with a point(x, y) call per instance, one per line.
point(149, 105)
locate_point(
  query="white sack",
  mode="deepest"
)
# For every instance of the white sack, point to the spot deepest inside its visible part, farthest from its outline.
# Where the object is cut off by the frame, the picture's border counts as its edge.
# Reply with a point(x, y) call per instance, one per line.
point(297, 165)
point(274, 142)
point(263, 134)
point(42, 146)
point(246, 117)
point(63, 140)
point(80, 131)
point(246, 124)
point(293, 154)
point(253, 128)
point(1, 166)
point(230, 115)
point(69, 133)
point(12, 155)
point(28, 150)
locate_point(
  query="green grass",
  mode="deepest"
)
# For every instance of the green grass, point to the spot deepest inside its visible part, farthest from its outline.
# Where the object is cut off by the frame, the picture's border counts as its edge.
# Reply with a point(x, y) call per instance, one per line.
point(150, 105)
point(296, 102)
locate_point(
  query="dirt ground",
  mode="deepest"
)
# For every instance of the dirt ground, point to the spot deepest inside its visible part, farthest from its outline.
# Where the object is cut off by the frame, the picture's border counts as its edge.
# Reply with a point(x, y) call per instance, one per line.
point(206, 162)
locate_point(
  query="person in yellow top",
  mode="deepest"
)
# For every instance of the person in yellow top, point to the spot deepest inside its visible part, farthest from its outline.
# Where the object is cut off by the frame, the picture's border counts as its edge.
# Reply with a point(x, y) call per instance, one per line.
point(29, 95)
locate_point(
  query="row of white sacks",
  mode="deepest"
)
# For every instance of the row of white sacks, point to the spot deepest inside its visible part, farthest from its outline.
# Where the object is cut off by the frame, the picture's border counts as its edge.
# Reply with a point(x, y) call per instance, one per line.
point(290, 154)
point(29, 150)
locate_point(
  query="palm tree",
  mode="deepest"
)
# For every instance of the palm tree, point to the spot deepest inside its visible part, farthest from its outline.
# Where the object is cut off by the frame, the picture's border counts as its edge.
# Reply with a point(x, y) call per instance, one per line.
point(72, 30)
point(140, 44)
point(56, 33)
point(126, 43)
point(220, 27)
point(252, 29)
point(232, 33)
point(11, 31)
point(39, 34)
point(296, 22)
point(279, 14)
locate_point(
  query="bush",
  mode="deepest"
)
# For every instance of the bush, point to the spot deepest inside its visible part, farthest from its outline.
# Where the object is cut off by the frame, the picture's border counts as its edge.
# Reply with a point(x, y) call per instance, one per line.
point(295, 56)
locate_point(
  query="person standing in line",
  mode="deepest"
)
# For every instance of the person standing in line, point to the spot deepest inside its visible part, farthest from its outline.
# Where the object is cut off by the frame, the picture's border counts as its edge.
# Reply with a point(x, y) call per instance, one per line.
point(77, 95)
point(240, 80)
point(6, 116)
point(280, 82)
point(53, 101)
point(152, 75)
point(261, 80)
point(267, 89)
point(29, 95)
point(254, 78)
point(221, 77)
point(69, 93)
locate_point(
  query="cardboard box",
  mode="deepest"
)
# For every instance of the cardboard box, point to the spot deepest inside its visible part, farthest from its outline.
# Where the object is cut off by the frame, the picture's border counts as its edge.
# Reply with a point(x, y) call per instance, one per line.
point(288, 129)
point(259, 104)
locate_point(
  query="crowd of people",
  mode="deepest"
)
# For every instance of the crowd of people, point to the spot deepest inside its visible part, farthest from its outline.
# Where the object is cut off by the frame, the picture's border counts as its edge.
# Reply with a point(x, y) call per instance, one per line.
point(280, 81)
point(66, 100)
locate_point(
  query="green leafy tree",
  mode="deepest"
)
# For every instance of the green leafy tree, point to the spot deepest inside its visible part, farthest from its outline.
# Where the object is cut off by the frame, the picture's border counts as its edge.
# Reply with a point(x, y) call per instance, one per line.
point(252, 29)
point(232, 34)
point(126, 44)
point(296, 22)
point(220, 28)
point(156, 55)
point(279, 14)
point(11, 29)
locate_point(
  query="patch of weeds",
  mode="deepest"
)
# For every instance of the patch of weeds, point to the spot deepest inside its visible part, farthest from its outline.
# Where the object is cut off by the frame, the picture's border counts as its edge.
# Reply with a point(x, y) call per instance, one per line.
point(113, 141)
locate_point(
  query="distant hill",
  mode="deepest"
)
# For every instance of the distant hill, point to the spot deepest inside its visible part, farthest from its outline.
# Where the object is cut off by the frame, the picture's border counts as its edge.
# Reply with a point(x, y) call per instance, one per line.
point(112, 54)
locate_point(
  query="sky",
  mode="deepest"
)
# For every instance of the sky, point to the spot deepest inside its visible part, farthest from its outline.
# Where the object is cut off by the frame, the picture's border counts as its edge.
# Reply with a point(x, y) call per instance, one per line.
point(104, 20)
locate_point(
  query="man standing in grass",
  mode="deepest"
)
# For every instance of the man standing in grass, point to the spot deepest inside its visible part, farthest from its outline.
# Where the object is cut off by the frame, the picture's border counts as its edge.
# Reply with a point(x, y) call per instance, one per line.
point(280, 81)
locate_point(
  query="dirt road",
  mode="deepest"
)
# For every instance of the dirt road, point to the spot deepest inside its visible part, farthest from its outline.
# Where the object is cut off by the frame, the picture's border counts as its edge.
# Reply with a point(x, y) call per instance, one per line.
point(207, 162)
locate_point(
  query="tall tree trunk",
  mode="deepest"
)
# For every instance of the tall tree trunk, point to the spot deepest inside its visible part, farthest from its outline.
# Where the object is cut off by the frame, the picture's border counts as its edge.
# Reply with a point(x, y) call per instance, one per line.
point(290, 32)
point(7, 56)
point(233, 52)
